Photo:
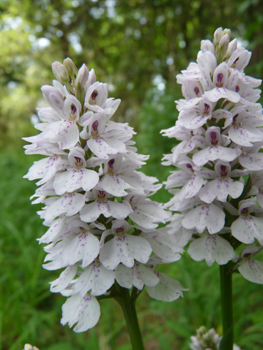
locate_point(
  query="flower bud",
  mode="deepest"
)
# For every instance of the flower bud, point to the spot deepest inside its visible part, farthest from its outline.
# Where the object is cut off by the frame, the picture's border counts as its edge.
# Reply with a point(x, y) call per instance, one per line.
point(70, 67)
point(207, 45)
point(231, 48)
point(228, 32)
point(60, 72)
point(223, 45)
point(217, 36)
point(82, 76)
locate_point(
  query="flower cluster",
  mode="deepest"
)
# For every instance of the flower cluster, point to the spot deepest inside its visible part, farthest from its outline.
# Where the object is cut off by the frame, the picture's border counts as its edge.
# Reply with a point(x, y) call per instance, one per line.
point(217, 191)
point(103, 228)
point(207, 340)
point(30, 347)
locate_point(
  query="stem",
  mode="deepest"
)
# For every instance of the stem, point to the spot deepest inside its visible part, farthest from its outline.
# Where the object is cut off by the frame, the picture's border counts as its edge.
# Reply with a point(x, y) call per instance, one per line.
point(128, 307)
point(226, 305)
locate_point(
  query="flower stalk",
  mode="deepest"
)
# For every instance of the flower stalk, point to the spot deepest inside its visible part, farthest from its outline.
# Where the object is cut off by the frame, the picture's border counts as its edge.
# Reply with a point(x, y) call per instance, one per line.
point(128, 306)
point(227, 306)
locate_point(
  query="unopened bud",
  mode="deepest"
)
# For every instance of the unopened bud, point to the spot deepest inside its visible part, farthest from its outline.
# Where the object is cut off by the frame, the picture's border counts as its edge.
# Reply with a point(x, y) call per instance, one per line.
point(223, 45)
point(60, 72)
point(207, 45)
point(91, 80)
point(217, 36)
point(228, 32)
point(232, 46)
point(82, 76)
point(30, 347)
point(70, 67)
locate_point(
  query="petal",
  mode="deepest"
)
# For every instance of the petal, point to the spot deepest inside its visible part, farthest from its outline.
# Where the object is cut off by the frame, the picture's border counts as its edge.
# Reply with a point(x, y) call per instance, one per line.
point(211, 248)
point(114, 185)
point(244, 229)
point(72, 180)
point(163, 245)
point(136, 276)
point(252, 270)
point(252, 161)
point(203, 216)
point(83, 247)
point(68, 204)
point(85, 311)
point(125, 250)
point(217, 93)
point(64, 279)
point(167, 289)
point(94, 279)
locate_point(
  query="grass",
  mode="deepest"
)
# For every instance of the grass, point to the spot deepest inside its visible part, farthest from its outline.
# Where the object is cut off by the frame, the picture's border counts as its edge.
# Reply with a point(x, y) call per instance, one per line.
point(29, 313)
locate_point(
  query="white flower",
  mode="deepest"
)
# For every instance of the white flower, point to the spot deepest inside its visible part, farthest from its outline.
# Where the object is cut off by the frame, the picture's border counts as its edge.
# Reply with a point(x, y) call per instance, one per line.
point(82, 311)
point(167, 289)
point(204, 216)
point(211, 248)
point(124, 248)
point(250, 268)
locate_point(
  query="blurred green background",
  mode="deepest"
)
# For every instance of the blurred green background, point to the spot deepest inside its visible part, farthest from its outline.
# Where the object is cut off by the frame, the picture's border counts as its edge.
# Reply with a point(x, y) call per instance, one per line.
point(137, 47)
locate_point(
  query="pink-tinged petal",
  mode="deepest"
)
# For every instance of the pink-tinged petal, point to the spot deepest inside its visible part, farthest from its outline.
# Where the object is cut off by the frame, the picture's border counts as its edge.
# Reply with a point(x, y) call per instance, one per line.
point(220, 189)
point(54, 230)
point(167, 289)
point(96, 96)
point(137, 276)
point(217, 93)
point(211, 248)
point(48, 115)
point(163, 245)
point(114, 185)
point(83, 247)
point(245, 229)
point(125, 250)
point(90, 212)
point(192, 89)
point(239, 58)
point(100, 147)
point(203, 216)
point(244, 136)
point(65, 133)
point(181, 204)
point(43, 191)
point(85, 311)
point(206, 68)
point(64, 279)
point(94, 279)
point(193, 122)
point(69, 204)
point(219, 114)
point(146, 213)
point(71, 180)
point(55, 98)
point(192, 187)
point(252, 161)
point(211, 153)
point(72, 108)
point(220, 75)
point(252, 270)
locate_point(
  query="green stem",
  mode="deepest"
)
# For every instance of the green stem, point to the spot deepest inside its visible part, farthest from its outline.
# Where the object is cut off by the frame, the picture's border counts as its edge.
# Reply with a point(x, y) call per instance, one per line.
point(128, 307)
point(226, 305)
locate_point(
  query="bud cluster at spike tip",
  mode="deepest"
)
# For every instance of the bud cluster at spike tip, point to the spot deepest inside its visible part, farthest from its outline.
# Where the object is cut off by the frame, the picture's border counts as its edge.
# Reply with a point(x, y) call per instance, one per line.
point(207, 340)
point(218, 188)
point(103, 228)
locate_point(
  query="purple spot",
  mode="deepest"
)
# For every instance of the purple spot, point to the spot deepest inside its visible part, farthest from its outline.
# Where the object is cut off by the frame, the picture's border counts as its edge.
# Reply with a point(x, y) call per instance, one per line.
point(94, 95)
